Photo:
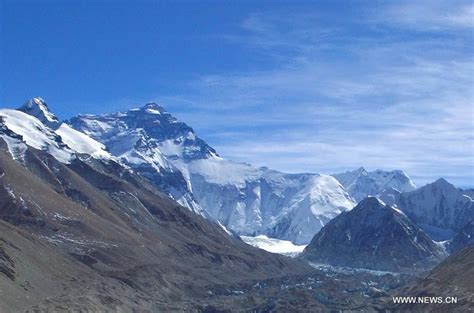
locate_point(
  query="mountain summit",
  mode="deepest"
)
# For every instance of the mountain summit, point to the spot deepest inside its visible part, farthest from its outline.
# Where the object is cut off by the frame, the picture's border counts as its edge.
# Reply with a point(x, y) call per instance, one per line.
point(38, 108)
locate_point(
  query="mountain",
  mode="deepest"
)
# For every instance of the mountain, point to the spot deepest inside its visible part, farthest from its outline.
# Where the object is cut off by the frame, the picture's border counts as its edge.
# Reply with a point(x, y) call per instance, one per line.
point(86, 233)
point(373, 236)
point(360, 183)
point(454, 277)
point(243, 198)
point(439, 208)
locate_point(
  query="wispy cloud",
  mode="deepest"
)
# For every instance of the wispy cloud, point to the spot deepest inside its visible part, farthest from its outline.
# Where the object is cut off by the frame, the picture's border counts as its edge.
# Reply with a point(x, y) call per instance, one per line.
point(430, 15)
point(390, 87)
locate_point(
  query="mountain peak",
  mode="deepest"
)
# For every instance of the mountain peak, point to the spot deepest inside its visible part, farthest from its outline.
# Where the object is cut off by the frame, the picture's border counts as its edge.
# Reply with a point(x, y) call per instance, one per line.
point(153, 108)
point(38, 108)
point(370, 202)
point(442, 185)
point(442, 182)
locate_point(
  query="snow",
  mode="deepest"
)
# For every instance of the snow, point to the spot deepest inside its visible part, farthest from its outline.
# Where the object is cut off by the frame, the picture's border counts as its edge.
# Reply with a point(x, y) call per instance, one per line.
point(394, 208)
point(361, 183)
point(38, 108)
point(252, 200)
point(223, 172)
point(62, 144)
point(82, 143)
point(47, 114)
point(153, 111)
point(16, 147)
point(35, 134)
point(274, 245)
point(439, 208)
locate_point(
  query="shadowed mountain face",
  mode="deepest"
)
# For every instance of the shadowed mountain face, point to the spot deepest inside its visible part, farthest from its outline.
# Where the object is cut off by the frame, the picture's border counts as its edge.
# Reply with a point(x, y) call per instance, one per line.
point(373, 236)
point(464, 238)
point(91, 234)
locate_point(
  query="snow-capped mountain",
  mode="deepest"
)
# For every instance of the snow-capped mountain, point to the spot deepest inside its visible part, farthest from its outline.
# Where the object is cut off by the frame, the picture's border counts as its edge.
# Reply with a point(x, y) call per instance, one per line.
point(153, 143)
point(439, 208)
point(241, 197)
point(361, 183)
point(373, 236)
point(19, 129)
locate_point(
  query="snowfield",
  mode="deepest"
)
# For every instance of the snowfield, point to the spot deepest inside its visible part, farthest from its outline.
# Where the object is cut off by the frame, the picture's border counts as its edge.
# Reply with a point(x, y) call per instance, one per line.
point(35, 134)
point(82, 143)
point(273, 245)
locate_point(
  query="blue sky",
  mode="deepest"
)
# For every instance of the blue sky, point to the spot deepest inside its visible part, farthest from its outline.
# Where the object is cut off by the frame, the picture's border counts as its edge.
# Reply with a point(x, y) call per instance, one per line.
point(313, 86)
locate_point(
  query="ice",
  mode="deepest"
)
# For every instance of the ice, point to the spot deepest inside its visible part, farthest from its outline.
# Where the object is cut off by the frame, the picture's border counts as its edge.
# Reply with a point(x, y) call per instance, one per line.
point(273, 245)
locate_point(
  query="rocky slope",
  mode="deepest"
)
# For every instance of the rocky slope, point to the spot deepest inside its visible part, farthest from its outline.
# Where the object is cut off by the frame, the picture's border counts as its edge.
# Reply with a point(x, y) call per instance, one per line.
point(361, 183)
point(373, 236)
point(454, 277)
point(242, 198)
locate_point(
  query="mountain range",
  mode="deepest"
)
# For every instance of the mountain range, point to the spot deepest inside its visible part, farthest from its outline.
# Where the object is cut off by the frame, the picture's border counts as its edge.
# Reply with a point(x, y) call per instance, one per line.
point(241, 198)
point(133, 211)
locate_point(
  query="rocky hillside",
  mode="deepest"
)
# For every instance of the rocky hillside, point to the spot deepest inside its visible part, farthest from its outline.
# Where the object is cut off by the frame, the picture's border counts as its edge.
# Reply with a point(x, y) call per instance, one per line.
point(454, 277)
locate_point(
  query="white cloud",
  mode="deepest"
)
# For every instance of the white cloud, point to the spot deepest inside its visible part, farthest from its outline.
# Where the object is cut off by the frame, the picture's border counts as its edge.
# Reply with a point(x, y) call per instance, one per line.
point(337, 99)
point(430, 15)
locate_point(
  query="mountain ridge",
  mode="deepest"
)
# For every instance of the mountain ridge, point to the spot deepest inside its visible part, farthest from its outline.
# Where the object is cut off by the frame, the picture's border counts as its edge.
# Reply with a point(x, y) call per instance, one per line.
point(360, 183)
